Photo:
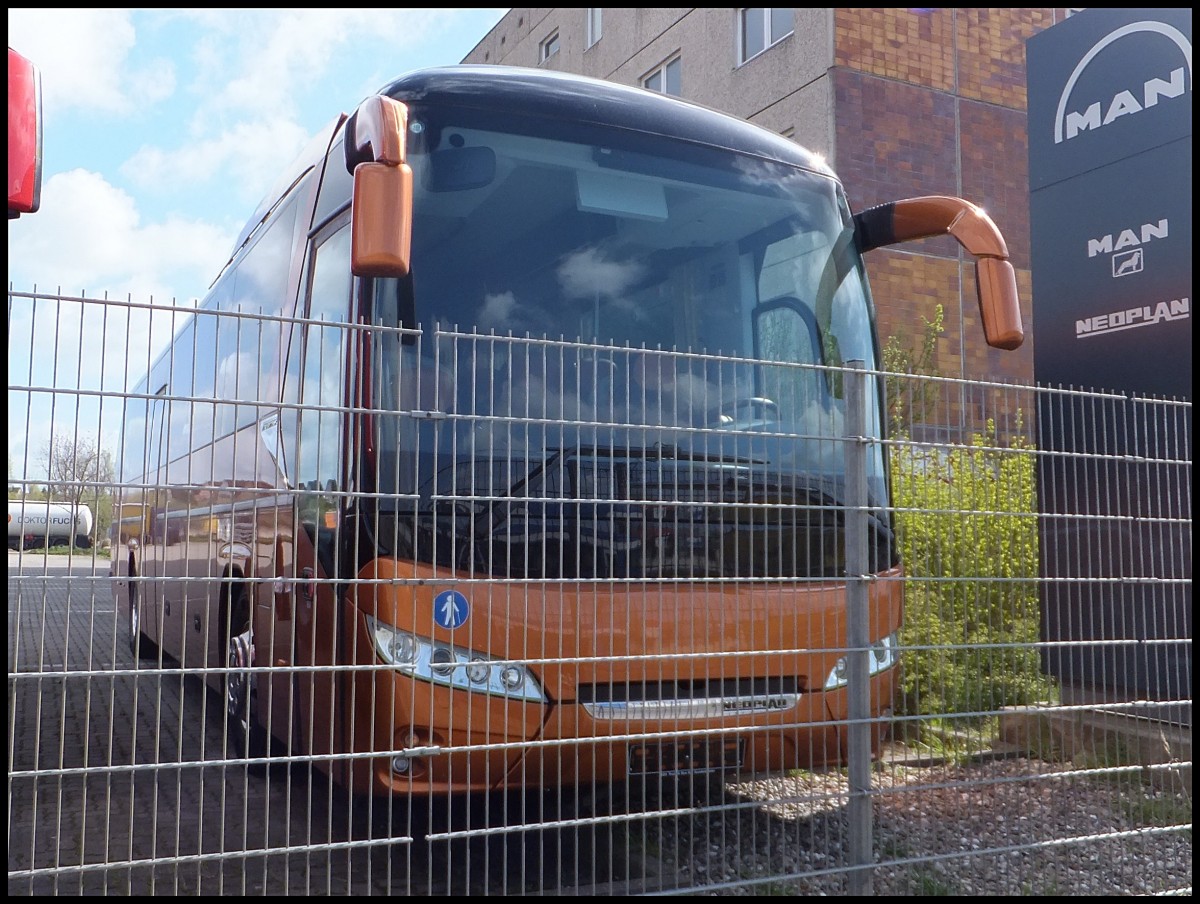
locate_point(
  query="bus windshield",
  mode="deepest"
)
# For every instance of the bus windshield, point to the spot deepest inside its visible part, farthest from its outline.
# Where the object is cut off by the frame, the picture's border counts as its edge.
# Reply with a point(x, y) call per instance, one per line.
point(590, 309)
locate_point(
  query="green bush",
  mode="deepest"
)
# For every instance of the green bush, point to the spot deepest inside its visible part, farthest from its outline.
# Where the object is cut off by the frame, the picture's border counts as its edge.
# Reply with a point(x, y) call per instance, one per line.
point(967, 525)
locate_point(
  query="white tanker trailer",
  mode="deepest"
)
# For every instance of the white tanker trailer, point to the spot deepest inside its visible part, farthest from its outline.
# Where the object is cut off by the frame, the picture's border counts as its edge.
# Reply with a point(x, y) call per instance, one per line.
point(33, 524)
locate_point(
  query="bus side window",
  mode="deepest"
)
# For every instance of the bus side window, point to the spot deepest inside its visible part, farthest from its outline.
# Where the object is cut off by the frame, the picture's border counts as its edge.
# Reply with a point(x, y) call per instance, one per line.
point(318, 470)
point(155, 458)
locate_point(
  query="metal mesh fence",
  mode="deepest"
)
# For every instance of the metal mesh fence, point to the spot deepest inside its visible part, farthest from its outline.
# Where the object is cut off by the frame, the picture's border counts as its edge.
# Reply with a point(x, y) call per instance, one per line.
point(321, 608)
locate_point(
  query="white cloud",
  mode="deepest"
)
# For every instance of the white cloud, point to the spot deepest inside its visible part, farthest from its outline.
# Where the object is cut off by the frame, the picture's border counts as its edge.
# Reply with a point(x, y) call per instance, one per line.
point(255, 71)
point(293, 52)
point(245, 159)
point(588, 273)
point(496, 311)
point(83, 55)
point(88, 235)
point(265, 59)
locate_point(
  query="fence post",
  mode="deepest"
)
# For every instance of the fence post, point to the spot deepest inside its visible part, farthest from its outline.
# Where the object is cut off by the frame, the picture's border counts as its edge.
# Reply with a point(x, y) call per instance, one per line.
point(860, 852)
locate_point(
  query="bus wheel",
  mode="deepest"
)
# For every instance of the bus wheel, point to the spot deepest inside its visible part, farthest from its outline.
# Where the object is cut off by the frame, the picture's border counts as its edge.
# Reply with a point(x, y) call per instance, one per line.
point(247, 738)
point(139, 644)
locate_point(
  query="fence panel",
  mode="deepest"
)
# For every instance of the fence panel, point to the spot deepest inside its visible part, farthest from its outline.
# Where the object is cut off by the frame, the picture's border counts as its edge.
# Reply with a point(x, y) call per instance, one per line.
point(360, 610)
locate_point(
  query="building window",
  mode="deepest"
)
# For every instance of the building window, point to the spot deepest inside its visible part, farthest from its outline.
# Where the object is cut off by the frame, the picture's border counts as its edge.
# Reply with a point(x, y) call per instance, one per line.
point(759, 29)
point(665, 78)
point(593, 26)
point(549, 47)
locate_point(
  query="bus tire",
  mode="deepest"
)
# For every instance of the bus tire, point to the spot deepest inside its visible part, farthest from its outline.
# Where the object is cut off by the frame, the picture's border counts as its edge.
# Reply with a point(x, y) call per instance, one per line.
point(141, 646)
point(246, 735)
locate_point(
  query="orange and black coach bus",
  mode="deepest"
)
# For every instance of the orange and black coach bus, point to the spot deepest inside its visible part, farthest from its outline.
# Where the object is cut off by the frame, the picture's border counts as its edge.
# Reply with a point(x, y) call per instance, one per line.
point(507, 448)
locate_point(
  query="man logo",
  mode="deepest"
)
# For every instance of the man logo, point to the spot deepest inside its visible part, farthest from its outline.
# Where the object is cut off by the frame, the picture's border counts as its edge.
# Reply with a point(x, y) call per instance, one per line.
point(1128, 238)
point(1129, 262)
point(1124, 102)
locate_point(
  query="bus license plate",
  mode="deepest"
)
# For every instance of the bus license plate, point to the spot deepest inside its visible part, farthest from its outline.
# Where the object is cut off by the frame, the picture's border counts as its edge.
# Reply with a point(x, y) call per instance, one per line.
point(703, 755)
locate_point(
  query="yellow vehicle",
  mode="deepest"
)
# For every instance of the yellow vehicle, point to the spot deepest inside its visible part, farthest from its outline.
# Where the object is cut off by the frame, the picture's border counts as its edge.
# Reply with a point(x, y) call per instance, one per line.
point(150, 520)
point(130, 522)
point(520, 410)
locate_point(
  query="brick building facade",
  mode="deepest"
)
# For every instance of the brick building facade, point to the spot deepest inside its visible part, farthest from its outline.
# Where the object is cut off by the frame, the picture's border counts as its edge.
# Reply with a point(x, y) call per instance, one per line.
point(902, 102)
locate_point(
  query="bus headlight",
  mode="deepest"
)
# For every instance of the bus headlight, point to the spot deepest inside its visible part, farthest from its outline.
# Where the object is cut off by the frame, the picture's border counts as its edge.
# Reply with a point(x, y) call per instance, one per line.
point(404, 649)
point(442, 663)
point(479, 671)
point(882, 656)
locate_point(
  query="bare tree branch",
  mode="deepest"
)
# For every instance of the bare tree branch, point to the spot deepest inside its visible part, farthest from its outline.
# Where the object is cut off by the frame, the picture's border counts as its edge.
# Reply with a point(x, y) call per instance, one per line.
point(77, 469)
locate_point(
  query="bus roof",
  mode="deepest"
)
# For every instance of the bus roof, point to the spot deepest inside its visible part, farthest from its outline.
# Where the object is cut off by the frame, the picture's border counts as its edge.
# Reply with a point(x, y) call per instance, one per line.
point(540, 92)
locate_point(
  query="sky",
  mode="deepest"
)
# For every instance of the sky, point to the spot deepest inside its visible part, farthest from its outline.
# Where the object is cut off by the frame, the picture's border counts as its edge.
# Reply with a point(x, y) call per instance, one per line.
point(163, 129)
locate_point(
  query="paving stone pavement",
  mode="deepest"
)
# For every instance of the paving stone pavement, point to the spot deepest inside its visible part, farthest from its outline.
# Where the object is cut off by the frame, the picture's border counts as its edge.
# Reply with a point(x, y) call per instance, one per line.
point(117, 783)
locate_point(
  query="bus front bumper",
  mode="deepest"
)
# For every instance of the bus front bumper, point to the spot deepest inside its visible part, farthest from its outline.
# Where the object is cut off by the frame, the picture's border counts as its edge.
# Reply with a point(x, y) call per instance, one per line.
point(439, 740)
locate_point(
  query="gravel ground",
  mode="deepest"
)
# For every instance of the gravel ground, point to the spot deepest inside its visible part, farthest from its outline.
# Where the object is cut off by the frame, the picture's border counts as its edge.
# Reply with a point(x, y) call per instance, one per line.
point(1000, 827)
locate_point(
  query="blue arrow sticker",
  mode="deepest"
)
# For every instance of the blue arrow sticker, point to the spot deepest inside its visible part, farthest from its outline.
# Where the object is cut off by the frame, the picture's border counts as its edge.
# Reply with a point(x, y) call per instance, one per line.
point(450, 609)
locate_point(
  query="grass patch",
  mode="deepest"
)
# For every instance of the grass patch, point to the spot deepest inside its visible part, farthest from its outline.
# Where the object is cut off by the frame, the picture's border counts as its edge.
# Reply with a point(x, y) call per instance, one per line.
point(955, 741)
point(776, 889)
point(1049, 886)
point(1107, 752)
point(929, 884)
point(75, 551)
point(1151, 810)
